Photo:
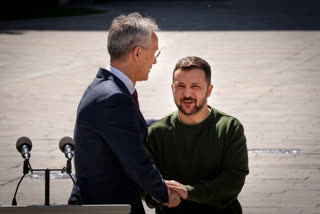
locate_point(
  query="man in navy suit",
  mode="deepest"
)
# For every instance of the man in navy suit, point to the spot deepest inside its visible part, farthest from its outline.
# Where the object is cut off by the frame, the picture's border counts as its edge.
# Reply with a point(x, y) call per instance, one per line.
point(110, 160)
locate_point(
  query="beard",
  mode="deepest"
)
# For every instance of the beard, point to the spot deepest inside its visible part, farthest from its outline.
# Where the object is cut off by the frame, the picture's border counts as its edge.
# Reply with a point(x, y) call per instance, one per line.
point(195, 109)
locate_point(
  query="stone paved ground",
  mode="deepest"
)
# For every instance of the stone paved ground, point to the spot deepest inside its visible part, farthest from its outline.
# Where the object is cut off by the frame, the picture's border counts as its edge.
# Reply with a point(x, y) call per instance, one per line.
point(265, 61)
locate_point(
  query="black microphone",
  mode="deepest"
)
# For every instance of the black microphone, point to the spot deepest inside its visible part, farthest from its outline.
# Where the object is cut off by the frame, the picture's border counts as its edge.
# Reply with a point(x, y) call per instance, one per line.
point(67, 146)
point(24, 146)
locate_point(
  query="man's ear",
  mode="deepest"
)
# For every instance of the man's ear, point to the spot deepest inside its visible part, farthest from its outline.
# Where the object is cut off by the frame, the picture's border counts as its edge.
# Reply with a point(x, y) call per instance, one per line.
point(136, 52)
point(209, 90)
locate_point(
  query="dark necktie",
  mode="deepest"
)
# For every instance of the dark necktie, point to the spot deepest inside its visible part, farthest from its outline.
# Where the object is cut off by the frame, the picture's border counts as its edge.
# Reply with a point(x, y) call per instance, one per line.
point(135, 97)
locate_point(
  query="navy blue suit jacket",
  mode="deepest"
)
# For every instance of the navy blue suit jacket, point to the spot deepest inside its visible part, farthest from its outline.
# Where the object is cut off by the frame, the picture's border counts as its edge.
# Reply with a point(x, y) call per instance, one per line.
point(110, 160)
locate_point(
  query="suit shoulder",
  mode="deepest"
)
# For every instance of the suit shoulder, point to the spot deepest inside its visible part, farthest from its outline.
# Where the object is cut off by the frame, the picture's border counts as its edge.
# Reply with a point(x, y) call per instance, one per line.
point(105, 86)
point(102, 92)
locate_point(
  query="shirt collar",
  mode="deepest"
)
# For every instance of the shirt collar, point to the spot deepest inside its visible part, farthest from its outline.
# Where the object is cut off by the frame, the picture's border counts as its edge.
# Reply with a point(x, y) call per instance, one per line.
point(126, 81)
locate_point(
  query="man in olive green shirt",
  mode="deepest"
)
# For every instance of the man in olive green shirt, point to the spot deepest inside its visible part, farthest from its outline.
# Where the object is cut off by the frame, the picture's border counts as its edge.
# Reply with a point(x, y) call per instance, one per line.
point(200, 151)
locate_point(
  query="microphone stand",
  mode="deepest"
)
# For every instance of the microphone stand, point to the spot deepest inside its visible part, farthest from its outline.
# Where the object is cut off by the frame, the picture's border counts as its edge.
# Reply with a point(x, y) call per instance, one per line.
point(27, 168)
point(47, 183)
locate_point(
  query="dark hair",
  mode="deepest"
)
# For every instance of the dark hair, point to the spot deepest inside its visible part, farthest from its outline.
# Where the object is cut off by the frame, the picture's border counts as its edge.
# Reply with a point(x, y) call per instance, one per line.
point(191, 62)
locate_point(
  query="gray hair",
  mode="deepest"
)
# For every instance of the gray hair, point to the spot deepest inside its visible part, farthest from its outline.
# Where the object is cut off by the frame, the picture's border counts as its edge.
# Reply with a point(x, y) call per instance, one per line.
point(127, 32)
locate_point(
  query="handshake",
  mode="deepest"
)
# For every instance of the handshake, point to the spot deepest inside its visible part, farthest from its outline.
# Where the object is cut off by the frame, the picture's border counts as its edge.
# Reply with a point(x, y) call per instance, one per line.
point(176, 191)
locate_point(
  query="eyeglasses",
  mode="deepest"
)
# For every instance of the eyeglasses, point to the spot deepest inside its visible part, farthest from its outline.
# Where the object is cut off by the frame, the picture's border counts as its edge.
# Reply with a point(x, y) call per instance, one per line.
point(156, 54)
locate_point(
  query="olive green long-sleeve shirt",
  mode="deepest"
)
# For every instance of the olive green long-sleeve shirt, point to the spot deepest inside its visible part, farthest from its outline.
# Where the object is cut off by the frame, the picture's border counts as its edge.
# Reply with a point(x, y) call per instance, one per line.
point(209, 158)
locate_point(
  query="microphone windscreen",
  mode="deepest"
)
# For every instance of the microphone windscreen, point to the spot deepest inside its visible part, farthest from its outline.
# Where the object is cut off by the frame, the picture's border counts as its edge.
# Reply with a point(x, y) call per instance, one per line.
point(23, 140)
point(64, 141)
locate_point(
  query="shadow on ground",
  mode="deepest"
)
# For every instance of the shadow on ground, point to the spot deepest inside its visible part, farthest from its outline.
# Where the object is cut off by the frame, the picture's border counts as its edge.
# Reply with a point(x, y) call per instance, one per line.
point(218, 15)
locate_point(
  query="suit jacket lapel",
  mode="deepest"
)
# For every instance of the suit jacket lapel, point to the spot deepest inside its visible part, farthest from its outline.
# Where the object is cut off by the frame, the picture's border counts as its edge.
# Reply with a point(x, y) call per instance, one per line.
point(108, 75)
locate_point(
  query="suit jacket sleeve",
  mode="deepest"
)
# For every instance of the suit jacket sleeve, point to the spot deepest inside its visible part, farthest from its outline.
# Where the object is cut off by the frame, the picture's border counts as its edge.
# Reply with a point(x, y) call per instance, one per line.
point(119, 126)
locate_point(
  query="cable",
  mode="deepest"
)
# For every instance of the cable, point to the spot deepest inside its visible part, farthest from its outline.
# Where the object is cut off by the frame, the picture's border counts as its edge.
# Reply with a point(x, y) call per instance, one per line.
point(77, 188)
point(14, 201)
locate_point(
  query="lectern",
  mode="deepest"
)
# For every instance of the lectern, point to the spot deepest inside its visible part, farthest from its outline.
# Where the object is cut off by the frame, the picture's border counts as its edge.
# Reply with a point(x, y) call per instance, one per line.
point(66, 209)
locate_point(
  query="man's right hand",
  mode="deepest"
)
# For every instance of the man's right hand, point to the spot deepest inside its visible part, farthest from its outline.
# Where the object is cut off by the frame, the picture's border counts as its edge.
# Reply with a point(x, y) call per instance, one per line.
point(174, 199)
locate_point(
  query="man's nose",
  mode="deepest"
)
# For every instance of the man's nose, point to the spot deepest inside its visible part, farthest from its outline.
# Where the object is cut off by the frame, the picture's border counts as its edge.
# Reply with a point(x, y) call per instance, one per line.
point(187, 92)
point(154, 60)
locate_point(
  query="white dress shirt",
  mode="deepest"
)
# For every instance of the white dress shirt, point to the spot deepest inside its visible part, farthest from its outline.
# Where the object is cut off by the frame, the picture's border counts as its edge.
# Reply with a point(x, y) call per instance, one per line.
point(126, 81)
